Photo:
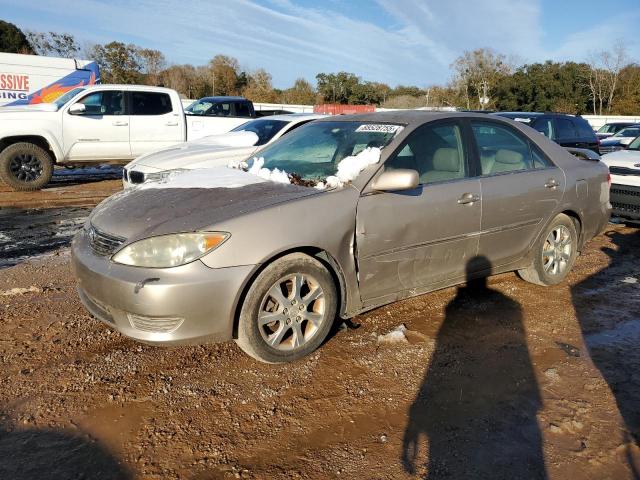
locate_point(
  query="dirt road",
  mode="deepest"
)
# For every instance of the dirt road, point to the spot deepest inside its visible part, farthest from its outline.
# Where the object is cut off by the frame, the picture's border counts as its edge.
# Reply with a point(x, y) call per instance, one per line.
point(505, 380)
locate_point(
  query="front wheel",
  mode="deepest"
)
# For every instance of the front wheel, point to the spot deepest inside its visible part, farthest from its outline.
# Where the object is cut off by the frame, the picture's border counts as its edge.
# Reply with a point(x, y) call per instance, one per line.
point(554, 254)
point(288, 311)
point(25, 166)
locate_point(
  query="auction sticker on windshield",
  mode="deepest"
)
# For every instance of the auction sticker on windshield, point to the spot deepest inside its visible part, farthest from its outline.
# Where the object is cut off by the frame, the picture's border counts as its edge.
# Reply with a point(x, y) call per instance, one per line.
point(382, 128)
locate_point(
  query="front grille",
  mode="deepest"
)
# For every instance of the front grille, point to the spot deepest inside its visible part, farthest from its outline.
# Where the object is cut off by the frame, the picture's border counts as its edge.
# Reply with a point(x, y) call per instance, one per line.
point(615, 190)
point(625, 207)
point(624, 171)
point(136, 177)
point(103, 243)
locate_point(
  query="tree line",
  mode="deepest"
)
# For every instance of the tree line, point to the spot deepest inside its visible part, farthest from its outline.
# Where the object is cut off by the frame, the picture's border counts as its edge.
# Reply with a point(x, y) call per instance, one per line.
point(607, 82)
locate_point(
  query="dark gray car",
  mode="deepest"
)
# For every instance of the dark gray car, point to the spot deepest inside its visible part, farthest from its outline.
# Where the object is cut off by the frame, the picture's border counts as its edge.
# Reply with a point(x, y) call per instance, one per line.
point(450, 197)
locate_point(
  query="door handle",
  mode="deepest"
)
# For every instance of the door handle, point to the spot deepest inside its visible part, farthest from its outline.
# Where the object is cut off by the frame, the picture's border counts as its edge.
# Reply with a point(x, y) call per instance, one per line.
point(171, 124)
point(120, 123)
point(552, 183)
point(468, 198)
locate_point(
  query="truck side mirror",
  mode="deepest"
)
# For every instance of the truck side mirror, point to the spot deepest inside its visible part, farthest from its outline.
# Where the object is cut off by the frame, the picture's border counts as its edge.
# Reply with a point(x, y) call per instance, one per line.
point(77, 109)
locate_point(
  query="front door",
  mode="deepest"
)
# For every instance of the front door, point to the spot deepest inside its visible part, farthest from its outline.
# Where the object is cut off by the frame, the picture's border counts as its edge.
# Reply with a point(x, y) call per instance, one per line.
point(411, 240)
point(521, 189)
point(101, 132)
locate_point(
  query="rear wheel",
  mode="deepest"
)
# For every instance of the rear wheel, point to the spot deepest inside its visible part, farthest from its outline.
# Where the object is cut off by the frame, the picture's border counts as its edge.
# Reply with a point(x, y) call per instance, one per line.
point(288, 310)
point(554, 254)
point(25, 166)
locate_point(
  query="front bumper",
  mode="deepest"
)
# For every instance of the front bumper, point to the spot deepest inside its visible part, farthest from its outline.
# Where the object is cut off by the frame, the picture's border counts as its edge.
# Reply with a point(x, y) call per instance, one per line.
point(188, 304)
point(625, 200)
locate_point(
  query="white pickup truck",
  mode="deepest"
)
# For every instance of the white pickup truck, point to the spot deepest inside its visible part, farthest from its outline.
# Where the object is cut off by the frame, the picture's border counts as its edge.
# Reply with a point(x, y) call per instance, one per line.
point(101, 124)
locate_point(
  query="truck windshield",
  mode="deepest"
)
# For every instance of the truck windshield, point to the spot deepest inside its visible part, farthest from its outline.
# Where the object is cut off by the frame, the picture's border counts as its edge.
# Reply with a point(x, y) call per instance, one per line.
point(264, 128)
point(313, 151)
point(63, 99)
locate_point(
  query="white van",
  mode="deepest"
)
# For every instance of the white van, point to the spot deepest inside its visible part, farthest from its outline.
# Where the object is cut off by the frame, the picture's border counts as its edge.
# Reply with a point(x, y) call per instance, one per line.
point(31, 79)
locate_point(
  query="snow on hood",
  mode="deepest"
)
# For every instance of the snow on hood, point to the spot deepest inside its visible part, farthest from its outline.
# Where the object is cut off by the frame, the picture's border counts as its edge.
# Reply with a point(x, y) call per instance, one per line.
point(229, 139)
point(38, 107)
point(215, 177)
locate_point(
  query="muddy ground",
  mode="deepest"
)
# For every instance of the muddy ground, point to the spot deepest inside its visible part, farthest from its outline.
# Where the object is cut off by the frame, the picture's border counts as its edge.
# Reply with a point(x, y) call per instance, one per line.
point(503, 380)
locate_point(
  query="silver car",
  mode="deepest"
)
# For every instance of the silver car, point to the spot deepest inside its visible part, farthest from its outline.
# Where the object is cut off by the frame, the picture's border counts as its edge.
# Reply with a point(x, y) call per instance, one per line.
point(448, 197)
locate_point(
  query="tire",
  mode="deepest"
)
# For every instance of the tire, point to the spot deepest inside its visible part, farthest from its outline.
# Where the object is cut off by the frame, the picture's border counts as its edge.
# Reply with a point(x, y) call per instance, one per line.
point(25, 166)
point(279, 328)
point(554, 254)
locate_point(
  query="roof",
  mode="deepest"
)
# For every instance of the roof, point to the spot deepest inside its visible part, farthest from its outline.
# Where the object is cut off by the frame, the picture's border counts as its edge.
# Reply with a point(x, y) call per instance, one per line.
point(403, 117)
point(222, 99)
point(293, 117)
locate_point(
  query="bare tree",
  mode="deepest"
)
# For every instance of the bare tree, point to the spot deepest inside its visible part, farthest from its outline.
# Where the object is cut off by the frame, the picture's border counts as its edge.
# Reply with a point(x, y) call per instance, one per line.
point(52, 43)
point(478, 73)
point(604, 73)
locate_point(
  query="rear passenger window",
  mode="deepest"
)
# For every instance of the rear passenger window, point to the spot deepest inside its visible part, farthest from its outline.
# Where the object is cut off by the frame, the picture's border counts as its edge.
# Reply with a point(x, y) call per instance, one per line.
point(501, 148)
point(584, 129)
point(242, 110)
point(566, 129)
point(435, 152)
point(150, 103)
point(545, 127)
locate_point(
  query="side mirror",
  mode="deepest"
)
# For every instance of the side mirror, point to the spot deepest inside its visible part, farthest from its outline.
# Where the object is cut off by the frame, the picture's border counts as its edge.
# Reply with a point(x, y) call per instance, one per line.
point(77, 109)
point(394, 180)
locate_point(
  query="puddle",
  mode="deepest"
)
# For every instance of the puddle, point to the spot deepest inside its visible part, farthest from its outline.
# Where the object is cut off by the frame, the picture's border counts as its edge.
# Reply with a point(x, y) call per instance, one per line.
point(28, 233)
point(63, 176)
point(624, 332)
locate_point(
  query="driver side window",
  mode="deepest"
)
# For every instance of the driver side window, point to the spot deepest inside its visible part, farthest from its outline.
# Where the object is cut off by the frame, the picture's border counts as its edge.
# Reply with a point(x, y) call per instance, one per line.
point(104, 103)
point(436, 152)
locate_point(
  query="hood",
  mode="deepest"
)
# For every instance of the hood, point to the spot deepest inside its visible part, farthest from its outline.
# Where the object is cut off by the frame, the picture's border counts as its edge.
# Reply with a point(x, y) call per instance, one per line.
point(626, 158)
point(143, 212)
point(192, 155)
point(38, 107)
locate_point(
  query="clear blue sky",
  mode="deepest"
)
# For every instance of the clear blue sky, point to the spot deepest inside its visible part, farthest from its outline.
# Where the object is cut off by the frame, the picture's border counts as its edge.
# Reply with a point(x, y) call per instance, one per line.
point(393, 41)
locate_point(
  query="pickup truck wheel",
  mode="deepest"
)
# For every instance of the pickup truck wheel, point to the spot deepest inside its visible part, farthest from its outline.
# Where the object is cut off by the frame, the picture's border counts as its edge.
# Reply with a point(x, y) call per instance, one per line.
point(288, 310)
point(25, 166)
point(554, 253)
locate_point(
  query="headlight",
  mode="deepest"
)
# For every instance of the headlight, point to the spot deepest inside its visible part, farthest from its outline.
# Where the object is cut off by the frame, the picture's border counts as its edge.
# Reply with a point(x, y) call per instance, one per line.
point(169, 250)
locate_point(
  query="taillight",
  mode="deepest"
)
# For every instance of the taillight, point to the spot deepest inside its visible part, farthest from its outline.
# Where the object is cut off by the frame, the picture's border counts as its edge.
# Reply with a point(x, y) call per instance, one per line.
point(609, 179)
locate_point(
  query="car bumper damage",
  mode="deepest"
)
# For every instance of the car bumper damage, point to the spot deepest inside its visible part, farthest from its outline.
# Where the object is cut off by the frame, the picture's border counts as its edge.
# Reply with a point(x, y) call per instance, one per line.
point(188, 304)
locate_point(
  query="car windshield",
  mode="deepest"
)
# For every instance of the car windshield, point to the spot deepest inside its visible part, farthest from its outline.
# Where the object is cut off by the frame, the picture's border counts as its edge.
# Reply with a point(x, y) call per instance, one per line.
point(199, 107)
point(63, 99)
point(628, 132)
point(264, 128)
point(313, 151)
point(609, 128)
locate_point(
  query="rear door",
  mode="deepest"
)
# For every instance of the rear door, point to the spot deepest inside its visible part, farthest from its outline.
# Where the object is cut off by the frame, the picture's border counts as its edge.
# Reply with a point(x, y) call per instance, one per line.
point(423, 237)
point(521, 189)
point(101, 132)
point(155, 124)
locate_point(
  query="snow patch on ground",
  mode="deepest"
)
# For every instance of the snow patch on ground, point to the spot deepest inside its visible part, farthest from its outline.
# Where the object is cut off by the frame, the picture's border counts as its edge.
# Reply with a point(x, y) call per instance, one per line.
point(397, 335)
point(215, 177)
point(350, 167)
point(20, 291)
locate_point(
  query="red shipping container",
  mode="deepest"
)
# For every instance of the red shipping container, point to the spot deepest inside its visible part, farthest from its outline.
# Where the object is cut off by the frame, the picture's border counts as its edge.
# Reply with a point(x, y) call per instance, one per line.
point(340, 109)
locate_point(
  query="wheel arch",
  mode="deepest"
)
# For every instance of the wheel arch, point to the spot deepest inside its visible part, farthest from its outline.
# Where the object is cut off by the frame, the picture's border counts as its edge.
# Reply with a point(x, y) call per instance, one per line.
point(38, 140)
point(315, 252)
point(577, 220)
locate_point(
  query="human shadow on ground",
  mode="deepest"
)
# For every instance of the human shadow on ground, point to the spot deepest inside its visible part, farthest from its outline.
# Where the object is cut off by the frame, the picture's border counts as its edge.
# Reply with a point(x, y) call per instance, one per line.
point(476, 408)
point(607, 306)
point(49, 454)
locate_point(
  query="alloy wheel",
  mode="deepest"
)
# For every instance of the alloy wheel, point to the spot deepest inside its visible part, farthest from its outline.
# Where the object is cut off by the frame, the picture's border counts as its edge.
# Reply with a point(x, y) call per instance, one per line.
point(291, 312)
point(557, 250)
point(26, 167)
